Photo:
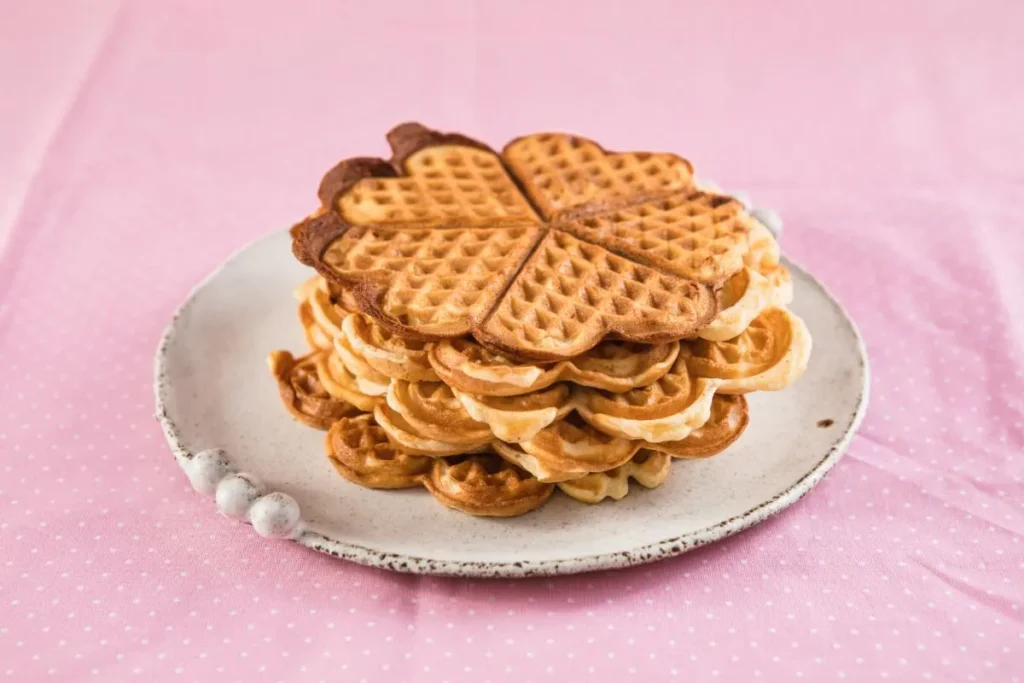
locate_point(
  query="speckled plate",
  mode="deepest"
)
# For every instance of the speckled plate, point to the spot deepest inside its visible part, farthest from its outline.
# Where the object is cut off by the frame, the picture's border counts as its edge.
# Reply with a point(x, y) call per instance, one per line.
point(222, 417)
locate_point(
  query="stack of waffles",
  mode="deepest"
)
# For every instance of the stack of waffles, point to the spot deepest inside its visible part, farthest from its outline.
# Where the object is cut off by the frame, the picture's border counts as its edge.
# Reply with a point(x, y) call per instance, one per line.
point(495, 326)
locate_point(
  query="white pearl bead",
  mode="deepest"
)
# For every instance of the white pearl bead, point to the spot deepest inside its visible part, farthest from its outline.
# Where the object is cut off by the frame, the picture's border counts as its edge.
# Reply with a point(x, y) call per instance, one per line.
point(236, 493)
point(275, 515)
point(207, 468)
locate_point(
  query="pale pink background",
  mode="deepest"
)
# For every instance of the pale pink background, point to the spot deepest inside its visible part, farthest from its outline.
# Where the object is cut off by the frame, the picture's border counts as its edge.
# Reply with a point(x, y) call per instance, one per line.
point(142, 143)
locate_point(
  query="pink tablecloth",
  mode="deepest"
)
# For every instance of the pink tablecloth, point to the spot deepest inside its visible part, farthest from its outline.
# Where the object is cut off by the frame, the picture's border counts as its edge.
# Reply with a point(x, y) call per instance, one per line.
point(143, 143)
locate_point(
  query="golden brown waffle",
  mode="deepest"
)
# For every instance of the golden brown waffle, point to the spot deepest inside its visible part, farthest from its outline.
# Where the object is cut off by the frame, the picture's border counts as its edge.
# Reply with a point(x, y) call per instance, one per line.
point(480, 484)
point(763, 252)
point(407, 438)
point(649, 468)
point(544, 470)
point(781, 281)
point(321, 310)
point(769, 355)
point(361, 453)
point(744, 297)
point(342, 384)
point(621, 366)
point(692, 234)
point(302, 392)
point(616, 366)
point(562, 172)
point(425, 282)
point(519, 418)
point(571, 293)
point(486, 485)
point(666, 410)
point(570, 448)
point(369, 381)
point(385, 352)
point(729, 417)
point(433, 411)
point(317, 338)
point(432, 178)
point(438, 243)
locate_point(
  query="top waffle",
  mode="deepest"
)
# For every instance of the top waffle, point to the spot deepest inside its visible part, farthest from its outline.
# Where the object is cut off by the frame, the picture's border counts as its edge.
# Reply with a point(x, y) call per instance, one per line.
point(540, 251)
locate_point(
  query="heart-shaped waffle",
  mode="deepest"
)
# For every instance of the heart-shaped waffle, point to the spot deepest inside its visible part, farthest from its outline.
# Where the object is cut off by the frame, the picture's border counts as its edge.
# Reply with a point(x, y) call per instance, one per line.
point(361, 453)
point(302, 392)
point(612, 365)
point(666, 410)
point(648, 468)
point(729, 417)
point(485, 485)
point(439, 242)
point(769, 355)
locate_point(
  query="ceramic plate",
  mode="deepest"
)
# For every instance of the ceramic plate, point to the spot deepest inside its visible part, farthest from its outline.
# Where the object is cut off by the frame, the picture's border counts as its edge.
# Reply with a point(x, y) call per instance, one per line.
point(216, 399)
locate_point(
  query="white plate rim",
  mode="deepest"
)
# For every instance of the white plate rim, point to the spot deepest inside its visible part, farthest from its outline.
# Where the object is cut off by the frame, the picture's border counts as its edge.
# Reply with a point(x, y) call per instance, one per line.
point(649, 552)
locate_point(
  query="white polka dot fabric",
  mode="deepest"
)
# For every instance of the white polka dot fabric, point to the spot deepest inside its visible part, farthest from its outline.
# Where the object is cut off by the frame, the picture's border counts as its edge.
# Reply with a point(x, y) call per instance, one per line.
point(197, 127)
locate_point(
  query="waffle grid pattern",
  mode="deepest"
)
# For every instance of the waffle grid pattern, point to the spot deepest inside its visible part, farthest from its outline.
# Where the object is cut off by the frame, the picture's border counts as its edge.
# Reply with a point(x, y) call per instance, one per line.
point(542, 250)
